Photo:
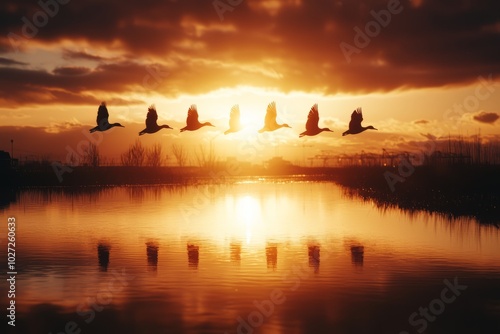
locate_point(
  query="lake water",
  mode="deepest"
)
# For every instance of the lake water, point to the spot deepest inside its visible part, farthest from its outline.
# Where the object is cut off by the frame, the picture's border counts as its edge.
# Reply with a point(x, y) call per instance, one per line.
point(260, 256)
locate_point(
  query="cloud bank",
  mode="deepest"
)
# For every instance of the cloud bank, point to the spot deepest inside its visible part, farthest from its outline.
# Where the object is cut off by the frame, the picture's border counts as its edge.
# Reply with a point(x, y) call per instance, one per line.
point(176, 47)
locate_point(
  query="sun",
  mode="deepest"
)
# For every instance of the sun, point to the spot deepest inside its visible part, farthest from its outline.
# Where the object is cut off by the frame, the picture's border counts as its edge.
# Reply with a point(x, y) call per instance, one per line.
point(252, 120)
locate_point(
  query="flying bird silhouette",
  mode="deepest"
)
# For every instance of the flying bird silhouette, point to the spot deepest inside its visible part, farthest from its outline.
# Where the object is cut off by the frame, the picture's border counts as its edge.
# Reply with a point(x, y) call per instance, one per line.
point(102, 119)
point(355, 123)
point(151, 122)
point(192, 122)
point(312, 128)
point(270, 123)
point(234, 120)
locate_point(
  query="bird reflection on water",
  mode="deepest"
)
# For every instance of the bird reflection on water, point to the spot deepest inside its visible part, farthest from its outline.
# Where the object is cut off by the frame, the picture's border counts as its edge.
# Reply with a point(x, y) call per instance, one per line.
point(313, 253)
point(272, 255)
point(152, 248)
point(193, 255)
point(357, 255)
point(103, 249)
point(235, 252)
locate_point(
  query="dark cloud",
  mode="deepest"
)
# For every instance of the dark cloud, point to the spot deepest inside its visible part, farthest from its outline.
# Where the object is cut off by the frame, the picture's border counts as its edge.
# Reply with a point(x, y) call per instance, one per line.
point(69, 54)
point(8, 62)
point(71, 84)
point(429, 136)
point(62, 127)
point(4, 47)
point(421, 121)
point(486, 117)
point(433, 44)
point(72, 70)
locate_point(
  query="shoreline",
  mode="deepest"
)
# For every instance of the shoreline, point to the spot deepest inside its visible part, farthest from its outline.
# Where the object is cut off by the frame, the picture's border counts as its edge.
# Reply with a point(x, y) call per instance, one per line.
point(455, 191)
point(456, 178)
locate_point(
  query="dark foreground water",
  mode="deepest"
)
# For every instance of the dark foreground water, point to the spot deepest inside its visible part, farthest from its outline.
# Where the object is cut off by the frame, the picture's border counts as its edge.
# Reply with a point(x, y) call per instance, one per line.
point(250, 257)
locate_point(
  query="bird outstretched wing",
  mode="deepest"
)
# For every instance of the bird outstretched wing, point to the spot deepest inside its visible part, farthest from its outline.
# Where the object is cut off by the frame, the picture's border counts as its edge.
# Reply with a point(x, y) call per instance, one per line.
point(102, 115)
point(356, 119)
point(357, 115)
point(234, 117)
point(312, 118)
point(192, 117)
point(152, 117)
point(270, 114)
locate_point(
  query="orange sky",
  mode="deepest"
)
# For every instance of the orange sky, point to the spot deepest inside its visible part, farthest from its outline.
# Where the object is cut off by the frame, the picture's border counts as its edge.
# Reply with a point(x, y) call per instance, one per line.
point(421, 70)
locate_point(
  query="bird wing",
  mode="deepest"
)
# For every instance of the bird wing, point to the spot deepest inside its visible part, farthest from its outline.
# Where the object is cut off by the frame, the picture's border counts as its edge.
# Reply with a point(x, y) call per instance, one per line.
point(234, 117)
point(152, 117)
point(192, 117)
point(102, 115)
point(356, 119)
point(312, 118)
point(360, 114)
point(270, 114)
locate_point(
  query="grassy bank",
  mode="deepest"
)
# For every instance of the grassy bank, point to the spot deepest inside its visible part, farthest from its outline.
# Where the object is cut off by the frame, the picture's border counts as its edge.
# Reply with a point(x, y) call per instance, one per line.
point(386, 181)
point(457, 191)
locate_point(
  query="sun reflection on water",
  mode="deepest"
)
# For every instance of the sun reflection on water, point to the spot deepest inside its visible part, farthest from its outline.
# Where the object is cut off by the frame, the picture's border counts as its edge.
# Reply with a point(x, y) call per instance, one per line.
point(193, 252)
point(248, 214)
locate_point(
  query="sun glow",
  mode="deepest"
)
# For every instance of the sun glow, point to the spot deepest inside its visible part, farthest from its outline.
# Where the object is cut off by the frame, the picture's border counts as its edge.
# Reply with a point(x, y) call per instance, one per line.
point(252, 120)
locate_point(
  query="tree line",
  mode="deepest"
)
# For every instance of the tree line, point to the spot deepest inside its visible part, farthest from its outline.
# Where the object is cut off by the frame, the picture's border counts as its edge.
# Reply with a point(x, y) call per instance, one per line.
point(139, 155)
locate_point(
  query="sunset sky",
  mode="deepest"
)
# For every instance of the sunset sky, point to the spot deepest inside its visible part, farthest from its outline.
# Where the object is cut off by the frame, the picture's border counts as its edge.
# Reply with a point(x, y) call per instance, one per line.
point(420, 70)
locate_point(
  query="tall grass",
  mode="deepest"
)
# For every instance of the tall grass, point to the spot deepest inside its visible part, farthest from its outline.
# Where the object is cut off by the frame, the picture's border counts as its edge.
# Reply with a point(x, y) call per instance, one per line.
point(473, 151)
point(459, 150)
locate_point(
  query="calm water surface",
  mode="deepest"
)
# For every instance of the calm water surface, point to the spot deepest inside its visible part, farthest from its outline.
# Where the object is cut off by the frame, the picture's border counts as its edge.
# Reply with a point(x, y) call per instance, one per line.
point(249, 257)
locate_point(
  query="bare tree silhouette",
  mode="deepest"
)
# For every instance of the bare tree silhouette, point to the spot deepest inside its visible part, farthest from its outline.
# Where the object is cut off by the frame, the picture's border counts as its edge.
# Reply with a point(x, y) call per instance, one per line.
point(134, 156)
point(205, 157)
point(180, 154)
point(154, 156)
point(91, 156)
